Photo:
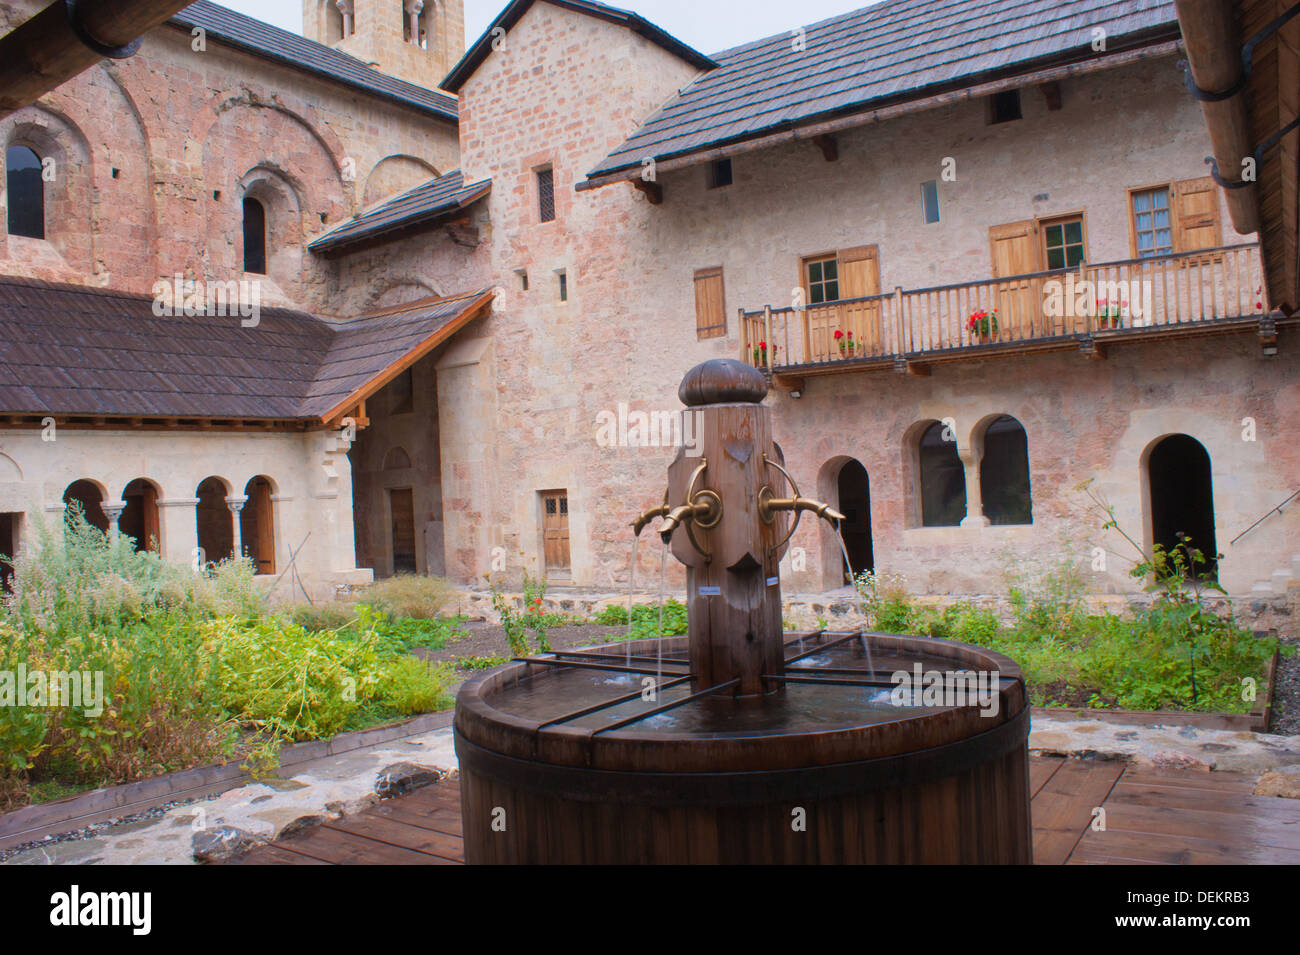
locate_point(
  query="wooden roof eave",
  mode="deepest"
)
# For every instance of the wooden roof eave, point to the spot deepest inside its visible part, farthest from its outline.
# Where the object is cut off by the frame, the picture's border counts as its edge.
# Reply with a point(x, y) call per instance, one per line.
point(473, 309)
point(817, 126)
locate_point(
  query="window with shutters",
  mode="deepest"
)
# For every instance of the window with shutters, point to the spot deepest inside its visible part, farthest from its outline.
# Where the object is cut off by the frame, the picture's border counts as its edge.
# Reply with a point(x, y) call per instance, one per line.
point(1181, 216)
point(1064, 246)
point(546, 194)
point(822, 276)
point(710, 304)
point(1153, 232)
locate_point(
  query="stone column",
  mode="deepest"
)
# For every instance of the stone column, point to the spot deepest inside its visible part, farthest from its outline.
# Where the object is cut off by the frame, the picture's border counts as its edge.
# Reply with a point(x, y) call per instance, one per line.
point(57, 513)
point(113, 511)
point(970, 460)
point(345, 8)
point(413, 8)
point(178, 528)
point(236, 504)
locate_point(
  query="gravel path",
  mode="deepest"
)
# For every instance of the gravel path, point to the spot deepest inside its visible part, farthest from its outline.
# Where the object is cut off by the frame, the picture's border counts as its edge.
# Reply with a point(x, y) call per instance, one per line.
point(1286, 695)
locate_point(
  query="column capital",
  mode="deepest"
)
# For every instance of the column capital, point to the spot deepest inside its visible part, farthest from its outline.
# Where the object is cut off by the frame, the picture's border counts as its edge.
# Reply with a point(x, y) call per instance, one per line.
point(236, 502)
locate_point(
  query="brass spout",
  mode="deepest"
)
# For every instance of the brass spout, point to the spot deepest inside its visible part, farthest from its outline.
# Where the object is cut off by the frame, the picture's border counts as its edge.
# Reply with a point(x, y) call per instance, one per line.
point(705, 511)
point(639, 524)
point(768, 506)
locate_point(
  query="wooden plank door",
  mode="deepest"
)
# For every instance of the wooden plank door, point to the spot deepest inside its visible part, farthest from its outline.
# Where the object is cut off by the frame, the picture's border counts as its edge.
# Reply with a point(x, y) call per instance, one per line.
point(401, 506)
point(8, 544)
point(555, 529)
point(860, 277)
point(1014, 250)
point(264, 535)
point(1196, 215)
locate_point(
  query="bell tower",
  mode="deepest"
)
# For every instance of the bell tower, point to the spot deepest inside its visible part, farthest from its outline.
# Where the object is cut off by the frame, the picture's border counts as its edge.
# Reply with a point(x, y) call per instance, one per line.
point(416, 40)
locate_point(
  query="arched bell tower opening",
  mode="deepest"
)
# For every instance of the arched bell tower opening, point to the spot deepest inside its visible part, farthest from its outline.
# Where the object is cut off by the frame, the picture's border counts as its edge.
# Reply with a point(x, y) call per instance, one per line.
point(416, 40)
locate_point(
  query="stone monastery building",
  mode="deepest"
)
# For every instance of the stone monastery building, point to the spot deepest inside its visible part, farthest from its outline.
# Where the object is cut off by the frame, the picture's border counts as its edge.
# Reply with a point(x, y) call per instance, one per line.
point(445, 296)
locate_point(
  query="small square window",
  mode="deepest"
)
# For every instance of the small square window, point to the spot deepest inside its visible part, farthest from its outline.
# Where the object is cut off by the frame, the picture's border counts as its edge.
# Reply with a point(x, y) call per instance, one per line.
point(546, 194)
point(523, 279)
point(564, 284)
point(930, 201)
point(1004, 106)
point(719, 173)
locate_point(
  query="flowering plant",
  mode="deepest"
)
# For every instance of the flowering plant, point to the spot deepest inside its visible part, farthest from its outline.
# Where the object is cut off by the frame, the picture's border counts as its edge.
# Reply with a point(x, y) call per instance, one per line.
point(760, 353)
point(982, 322)
point(845, 341)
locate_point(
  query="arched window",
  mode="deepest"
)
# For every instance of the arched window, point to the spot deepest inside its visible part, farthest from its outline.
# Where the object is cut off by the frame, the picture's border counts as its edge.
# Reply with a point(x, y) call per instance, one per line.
point(1181, 493)
point(1004, 473)
point(415, 22)
point(91, 498)
point(216, 526)
point(25, 190)
point(139, 519)
point(254, 236)
point(257, 525)
point(943, 479)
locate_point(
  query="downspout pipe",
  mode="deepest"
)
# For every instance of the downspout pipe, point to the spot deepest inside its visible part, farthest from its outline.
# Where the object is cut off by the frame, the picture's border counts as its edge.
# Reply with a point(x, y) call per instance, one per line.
point(68, 37)
point(1214, 58)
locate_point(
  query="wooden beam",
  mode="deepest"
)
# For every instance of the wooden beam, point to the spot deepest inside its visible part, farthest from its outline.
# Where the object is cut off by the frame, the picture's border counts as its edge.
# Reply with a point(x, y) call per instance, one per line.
point(911, 369)
point(47, 50)
point(1268, 336)
point(1052, 94)
point(653, 192)
point(788, 382)
point(829, 146)
point(1093, 349)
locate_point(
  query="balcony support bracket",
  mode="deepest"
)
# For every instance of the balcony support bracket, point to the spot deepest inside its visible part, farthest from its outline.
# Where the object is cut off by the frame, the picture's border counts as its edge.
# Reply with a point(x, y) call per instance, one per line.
point(911, 369)
point(653, 192)
point(1268, 336)
point(1092, 349)
point(829, 146)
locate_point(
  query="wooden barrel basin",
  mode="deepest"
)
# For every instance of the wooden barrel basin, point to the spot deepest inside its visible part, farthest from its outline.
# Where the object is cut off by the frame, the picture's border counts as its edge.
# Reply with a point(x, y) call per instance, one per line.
point(816, 772)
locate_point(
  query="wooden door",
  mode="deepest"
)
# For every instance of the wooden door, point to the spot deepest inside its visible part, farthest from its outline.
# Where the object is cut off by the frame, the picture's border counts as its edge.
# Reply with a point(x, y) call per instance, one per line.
point(263, 542)
point(401, 506)
point(859, 277)
point(1014, 250)
point(8, 544)
point(555, 530)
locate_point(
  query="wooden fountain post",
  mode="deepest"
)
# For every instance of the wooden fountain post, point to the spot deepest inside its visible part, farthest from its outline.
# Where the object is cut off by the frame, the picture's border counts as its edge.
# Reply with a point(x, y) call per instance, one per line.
point(731, 553)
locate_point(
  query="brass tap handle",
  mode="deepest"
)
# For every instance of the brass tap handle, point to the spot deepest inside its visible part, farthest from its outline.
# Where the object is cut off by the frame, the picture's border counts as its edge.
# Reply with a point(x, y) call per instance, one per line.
point(768, 506)
point(639, 524)
point(705, 510)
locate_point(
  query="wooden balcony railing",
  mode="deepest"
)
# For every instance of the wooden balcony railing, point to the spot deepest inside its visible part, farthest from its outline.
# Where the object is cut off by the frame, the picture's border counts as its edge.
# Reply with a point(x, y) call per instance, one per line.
point(1133, 297)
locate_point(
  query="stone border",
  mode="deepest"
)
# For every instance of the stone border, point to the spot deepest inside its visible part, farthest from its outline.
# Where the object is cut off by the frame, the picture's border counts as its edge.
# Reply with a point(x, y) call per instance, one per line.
point(30, 823)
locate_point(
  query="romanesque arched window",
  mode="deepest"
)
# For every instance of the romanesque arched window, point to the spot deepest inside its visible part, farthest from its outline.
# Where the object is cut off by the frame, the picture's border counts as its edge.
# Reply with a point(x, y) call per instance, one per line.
point(25, 191)
point(254, 236)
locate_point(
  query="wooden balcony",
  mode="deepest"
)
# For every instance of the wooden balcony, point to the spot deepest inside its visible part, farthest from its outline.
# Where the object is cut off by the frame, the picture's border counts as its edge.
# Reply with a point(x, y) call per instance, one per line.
point(1085, 309)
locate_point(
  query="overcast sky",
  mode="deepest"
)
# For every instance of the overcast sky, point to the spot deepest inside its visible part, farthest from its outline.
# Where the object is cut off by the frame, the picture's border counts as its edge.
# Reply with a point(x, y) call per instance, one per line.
point(707, 25)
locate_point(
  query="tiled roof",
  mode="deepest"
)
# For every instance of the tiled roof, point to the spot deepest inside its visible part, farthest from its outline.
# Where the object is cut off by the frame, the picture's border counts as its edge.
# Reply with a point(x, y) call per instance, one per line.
point(251, 34)
point(895, 51)
point(73, 350)
point(511, 15)
point(425, 202)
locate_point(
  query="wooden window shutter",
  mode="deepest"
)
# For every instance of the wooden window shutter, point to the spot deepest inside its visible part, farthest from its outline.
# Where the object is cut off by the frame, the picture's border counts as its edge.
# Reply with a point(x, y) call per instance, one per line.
point(710, 304)
point(1014, 248)
point(859, 271)
point(1196, 215)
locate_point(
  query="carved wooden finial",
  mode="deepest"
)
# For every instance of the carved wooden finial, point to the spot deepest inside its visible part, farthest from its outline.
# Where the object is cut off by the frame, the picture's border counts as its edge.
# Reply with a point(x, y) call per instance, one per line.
point(722, 381)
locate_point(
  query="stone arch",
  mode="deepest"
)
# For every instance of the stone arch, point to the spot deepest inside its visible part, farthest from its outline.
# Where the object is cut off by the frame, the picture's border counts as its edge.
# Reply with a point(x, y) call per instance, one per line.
point(10, 471)
point(91, 495)
point(1178, 496)
point(139, 519)
point(395, 174)
point(257, 523)
point(844, 483)
point(934, 476)
point(280, 199)
point(396, 459)
point(400, 292)
point(65, 152)
point(1001, 446)
point(214, 519)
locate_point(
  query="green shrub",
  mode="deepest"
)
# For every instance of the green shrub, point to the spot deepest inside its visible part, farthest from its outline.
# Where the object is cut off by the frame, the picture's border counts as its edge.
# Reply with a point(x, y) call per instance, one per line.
point(409, 596)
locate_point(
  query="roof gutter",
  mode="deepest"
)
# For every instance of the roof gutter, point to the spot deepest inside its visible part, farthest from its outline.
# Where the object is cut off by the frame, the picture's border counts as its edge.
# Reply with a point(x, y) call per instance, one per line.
point(1214, 59)
point(67, 38)
point(869, 116)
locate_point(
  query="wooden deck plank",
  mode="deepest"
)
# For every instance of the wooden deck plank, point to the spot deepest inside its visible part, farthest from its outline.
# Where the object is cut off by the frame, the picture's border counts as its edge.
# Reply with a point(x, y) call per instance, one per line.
point(1063, 808)
point(1152, 817)
point(1041, 769)
point(402, 835)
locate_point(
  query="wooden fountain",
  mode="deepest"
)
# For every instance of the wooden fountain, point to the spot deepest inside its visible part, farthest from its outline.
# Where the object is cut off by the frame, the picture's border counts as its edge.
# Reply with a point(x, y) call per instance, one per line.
point(738, 742)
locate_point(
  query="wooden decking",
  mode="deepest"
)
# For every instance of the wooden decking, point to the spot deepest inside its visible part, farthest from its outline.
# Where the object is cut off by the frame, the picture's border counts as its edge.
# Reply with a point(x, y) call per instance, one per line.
point(1171, 818)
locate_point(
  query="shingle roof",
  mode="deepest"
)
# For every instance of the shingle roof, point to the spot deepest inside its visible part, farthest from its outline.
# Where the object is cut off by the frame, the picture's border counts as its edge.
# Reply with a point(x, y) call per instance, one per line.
point(894, 51)
point(73, 350)
point(424, 203)
point(260, 38)
point(511, 15)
